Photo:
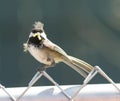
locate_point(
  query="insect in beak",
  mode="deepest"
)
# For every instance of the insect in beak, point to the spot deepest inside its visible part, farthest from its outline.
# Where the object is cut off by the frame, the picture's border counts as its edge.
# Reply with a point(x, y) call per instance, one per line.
point(37, 35)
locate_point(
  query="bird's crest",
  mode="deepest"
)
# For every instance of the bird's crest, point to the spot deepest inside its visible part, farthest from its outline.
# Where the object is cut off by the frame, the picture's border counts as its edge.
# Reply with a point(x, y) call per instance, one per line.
point(38, 25)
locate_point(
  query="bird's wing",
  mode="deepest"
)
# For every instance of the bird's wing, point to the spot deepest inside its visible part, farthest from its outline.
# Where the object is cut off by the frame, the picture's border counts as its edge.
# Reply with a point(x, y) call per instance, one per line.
point(78, 65)
point(52, 46)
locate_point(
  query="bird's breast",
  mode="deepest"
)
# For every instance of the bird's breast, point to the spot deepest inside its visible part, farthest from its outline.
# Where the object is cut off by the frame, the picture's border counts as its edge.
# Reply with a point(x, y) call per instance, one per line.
point(44, 55)
point(39, 54)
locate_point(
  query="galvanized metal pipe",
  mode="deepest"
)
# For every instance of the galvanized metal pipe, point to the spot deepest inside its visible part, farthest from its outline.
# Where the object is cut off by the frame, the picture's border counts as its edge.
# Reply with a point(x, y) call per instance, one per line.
point(92, 92)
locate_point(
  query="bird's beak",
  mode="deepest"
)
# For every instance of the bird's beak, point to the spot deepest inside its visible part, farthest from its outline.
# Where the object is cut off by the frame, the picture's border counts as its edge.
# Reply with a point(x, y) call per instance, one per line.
point(37, 35)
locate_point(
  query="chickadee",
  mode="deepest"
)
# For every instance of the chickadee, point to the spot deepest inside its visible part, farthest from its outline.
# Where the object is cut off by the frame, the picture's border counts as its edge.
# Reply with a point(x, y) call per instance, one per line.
point(48, 53)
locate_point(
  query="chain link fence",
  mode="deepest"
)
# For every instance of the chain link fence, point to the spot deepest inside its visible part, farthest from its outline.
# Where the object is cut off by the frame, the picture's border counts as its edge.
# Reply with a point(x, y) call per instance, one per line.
point(73, 93)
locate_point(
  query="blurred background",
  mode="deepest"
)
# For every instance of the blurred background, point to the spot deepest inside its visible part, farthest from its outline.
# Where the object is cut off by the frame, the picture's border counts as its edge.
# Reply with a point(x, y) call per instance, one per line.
point(86, 29)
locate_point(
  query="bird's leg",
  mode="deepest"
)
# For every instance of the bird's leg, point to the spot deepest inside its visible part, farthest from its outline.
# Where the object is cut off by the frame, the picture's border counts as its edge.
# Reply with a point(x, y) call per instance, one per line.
point(43, 68)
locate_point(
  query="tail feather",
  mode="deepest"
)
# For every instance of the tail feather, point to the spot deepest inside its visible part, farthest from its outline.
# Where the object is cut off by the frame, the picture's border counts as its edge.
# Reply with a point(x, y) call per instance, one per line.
point(76, 68)
point(78, 65)
point(82, 64)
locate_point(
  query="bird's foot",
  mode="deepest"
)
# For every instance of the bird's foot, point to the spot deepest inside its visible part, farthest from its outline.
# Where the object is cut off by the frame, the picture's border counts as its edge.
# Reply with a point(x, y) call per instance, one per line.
point(41, 69)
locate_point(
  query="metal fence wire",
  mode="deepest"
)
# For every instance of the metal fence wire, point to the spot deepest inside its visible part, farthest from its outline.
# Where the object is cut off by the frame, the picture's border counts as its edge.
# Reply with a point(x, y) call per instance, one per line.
point(68, 96)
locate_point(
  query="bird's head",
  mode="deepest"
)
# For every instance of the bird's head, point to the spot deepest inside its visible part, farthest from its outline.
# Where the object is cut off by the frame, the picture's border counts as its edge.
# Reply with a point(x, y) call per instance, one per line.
point(37, 34)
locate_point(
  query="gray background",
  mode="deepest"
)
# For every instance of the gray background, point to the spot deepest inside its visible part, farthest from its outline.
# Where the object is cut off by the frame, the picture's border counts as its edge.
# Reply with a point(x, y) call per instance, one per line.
point(86, 29)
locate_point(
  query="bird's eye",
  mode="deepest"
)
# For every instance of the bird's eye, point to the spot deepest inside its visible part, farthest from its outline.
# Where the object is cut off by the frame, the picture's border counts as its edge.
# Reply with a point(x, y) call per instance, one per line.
point(40, 31)
point(34, 31)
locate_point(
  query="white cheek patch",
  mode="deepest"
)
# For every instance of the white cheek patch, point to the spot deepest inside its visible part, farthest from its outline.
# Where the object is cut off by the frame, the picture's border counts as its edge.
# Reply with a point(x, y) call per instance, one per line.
point(31, 34)
point(44, 35)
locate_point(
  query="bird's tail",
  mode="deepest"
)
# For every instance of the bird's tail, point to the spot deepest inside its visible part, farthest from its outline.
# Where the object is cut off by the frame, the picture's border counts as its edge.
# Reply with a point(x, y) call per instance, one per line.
point(78, 65)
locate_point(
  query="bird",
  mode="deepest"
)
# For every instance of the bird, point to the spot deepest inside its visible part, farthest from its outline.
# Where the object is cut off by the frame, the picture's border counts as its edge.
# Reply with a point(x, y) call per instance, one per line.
point(49, 53)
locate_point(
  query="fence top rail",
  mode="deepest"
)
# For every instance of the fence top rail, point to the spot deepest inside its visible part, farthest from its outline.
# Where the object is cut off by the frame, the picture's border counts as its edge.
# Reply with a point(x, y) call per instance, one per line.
point(92, 92)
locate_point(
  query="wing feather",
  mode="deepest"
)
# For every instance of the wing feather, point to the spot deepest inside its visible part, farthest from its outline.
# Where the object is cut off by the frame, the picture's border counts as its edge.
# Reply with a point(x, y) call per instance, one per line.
point(54, 47)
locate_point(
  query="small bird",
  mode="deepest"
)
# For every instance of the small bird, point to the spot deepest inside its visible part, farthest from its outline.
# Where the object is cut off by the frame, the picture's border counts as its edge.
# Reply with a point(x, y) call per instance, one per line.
point(49, 54)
